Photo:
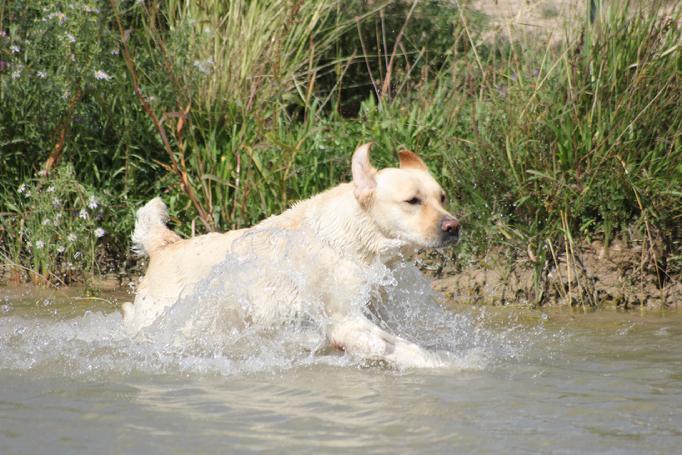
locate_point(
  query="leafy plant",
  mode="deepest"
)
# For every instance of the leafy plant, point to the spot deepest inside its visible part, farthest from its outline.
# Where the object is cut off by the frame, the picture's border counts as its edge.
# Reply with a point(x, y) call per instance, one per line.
point(58, 225)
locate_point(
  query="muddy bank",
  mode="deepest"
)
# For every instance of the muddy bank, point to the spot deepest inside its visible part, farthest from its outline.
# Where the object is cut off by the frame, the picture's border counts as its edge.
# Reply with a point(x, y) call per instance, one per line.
point(595, 276)
point(620, 275)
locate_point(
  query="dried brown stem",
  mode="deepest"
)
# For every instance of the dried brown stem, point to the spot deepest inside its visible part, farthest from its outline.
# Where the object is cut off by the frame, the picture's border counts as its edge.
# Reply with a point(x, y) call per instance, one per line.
point(389, 69)
point(364, 54)
point(63, 130)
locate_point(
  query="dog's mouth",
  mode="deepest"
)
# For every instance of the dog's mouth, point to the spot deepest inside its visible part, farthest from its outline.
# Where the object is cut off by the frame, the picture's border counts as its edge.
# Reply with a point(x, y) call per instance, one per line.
point(448, 239)
point(445, 239)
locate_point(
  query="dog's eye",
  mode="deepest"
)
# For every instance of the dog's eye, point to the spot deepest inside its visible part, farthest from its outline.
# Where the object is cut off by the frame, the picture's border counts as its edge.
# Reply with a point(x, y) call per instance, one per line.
point(414, 201)
point(442, 198)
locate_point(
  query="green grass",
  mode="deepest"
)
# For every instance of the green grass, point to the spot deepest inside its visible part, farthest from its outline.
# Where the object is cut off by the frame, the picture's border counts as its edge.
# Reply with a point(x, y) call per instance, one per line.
point(232, 110)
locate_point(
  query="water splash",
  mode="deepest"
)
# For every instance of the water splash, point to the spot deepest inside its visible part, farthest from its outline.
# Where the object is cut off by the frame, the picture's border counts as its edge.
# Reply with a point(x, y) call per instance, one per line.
point(207, 332)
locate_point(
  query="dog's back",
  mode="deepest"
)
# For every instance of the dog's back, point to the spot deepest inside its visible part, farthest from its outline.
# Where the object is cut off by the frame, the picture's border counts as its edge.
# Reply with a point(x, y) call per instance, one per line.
point(177, 265)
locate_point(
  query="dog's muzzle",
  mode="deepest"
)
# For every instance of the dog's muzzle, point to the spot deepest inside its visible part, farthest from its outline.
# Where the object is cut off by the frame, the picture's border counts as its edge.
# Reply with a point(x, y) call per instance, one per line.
point(450, 230)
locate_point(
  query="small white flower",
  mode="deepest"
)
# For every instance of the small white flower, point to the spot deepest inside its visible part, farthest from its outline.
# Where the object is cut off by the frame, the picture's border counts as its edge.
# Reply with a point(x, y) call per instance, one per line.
point(22, 189)
point(102, 76)
point(93, 203)
point(71, 237)
point(16, 74)
point(83, 214)
point(40, 244)
point(61, 249)
point(115, 51)
point(46, 222)
point(50, 189)
point(41, 74)
point(77, 254)
point(70, 38)
point(99, 232)
point(61, 17)
point(14, 49)
point(57, 203)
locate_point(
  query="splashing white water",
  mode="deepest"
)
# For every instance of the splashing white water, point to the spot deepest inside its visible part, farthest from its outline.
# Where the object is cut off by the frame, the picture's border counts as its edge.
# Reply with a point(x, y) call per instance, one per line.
point(204, 333)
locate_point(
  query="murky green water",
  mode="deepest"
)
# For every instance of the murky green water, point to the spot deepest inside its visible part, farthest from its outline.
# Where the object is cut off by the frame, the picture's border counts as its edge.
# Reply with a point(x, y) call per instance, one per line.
point(522, 382)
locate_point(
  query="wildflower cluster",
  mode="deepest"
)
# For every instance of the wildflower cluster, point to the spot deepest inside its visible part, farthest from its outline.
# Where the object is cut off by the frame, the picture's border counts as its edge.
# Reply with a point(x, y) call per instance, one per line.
point(52, 56)
point(61, 225)
point(62, 32)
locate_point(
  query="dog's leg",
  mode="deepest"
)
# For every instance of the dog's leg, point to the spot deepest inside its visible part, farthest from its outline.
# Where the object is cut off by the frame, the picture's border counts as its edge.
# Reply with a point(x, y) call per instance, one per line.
point(360, 337)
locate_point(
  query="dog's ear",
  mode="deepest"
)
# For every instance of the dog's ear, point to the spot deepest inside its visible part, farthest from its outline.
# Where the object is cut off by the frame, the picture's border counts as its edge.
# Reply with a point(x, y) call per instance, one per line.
point(410, 160)
point(364, 175)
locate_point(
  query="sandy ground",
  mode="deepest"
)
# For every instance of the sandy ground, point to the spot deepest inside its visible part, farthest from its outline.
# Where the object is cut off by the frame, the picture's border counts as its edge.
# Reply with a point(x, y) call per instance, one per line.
point(514, 18)
point(534, 14)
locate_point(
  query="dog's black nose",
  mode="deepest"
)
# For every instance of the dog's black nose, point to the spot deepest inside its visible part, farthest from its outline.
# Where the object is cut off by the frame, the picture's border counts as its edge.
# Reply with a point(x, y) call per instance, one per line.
point(450, 226)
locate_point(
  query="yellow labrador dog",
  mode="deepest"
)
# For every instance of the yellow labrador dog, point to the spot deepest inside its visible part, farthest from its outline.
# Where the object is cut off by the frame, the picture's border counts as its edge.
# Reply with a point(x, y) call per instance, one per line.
point(342, 232)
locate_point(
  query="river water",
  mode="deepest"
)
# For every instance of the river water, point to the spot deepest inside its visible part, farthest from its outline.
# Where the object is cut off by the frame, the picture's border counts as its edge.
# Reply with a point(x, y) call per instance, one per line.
point(520, 381)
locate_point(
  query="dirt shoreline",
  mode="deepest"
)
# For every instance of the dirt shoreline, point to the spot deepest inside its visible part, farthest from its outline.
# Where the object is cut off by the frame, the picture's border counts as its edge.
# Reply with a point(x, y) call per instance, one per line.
point(595, 276)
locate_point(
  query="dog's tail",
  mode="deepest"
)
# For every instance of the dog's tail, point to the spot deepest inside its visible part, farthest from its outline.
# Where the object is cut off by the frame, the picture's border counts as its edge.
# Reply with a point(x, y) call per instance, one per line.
point(150, 231)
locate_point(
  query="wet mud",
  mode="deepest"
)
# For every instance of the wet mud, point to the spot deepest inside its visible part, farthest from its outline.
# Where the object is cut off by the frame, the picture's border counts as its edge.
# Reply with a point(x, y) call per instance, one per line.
point(620, 275)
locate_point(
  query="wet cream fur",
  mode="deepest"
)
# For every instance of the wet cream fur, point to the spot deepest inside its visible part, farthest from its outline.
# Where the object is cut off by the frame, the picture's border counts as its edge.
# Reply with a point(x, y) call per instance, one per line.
point(353, 225)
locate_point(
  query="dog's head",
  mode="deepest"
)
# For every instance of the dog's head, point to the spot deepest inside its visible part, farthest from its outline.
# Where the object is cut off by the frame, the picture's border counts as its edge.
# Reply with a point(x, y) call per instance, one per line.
point(405, 203)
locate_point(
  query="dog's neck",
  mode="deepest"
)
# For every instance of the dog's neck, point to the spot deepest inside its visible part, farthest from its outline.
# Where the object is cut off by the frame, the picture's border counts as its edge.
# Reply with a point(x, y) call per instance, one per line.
point(343, 224)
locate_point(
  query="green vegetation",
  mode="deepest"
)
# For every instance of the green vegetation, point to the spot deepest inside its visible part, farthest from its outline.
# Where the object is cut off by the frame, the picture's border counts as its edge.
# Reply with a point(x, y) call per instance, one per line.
point(232, 110)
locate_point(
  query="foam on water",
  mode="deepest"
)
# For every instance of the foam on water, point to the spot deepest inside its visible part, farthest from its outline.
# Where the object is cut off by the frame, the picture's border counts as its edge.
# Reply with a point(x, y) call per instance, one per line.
point(207, 332)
